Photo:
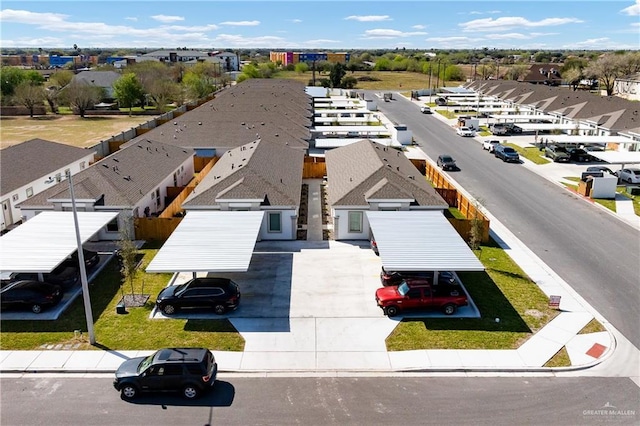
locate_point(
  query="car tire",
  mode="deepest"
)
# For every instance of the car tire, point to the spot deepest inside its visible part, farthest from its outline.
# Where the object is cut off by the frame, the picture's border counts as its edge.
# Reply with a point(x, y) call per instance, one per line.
point(391, 311)
point(36, 308)
point(168, 309)
point(449, 309)
point(129, 391)
point(219, 309)
point(190, 392)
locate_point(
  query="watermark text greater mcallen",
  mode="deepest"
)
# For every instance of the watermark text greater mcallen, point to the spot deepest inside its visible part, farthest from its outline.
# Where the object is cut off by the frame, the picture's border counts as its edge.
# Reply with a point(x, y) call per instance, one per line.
point(608, 410)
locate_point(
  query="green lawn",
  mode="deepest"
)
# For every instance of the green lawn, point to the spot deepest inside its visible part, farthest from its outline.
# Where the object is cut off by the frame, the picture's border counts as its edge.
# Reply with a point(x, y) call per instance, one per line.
point(502, 292)
point(130, 331)
point(530, 153)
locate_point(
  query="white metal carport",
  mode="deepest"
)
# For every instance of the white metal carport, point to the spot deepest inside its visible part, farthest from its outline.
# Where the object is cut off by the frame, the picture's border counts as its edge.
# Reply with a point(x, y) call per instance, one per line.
point(617, 157)
point(210, 241)
point(43, 242)
point(592, 139)
point(420, 241)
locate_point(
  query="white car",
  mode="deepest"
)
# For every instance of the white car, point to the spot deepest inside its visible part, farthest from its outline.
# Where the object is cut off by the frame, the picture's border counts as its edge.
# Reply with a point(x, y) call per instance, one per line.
point(425, 110)
point(465, 131)
point(490, 144)
point(629, 175)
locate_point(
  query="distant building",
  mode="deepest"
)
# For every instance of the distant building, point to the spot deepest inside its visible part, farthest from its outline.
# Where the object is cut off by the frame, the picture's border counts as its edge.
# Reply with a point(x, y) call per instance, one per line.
point(628, 87)
point(287, 58)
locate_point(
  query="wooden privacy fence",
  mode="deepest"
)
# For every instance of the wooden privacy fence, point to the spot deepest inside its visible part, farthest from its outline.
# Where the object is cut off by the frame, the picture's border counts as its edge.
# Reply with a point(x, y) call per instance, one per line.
point(456, 199)
point(314, 168)
point(160, 228)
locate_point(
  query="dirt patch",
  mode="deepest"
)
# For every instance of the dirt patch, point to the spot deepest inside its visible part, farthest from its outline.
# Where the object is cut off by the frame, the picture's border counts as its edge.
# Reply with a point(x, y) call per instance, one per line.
point(67, 129)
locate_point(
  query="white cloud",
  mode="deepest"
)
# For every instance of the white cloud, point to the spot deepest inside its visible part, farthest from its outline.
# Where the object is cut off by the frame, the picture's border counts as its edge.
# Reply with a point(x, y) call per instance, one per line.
point(511, 22)
point(34, 42)
point(131, 18)
point(167, 18)
point(34, 18)
point(234, 40)
point(452, 39)
point(506, 36)
point(388, 33)
point(319, 42)
point(419, 27)
point(592, 42)
point(203, 28)
point(241, 23)
point(633, 10)
point(454, 42)
point(296, 21)
point(368, 18)
point(489, 12)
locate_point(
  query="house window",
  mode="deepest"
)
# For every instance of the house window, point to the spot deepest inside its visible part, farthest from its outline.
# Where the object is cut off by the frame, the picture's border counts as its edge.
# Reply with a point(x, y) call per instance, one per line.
point(15, 197)
point(275, 223)
point(29, 192)
point(83, 164)
point(355, 221)
point(113, 226)
point(67, 172)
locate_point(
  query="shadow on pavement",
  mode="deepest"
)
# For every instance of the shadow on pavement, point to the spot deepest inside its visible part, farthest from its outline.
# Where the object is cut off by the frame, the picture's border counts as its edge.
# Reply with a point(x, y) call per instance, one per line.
point(221, 395)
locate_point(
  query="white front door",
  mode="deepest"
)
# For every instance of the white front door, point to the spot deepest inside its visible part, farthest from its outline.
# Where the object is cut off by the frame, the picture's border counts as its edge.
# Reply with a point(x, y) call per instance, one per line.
point(7, 217)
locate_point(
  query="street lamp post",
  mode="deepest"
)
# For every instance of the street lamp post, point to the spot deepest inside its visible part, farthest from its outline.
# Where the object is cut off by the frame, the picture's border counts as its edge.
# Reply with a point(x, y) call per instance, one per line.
point(83, 269)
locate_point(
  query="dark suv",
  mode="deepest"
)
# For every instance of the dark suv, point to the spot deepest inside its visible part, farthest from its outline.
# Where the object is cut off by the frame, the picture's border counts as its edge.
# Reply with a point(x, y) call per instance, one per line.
point(219, 294)
point(506, 153)
point(191, 371)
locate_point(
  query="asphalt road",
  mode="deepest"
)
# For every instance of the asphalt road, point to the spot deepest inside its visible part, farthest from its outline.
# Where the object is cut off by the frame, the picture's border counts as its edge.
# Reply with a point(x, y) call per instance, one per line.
point(329, 401)
point(596, 254)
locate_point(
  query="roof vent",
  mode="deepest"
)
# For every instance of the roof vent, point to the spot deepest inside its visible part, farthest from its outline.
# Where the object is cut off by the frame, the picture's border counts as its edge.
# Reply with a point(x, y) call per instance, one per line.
point(199, 123)
point(175, 123)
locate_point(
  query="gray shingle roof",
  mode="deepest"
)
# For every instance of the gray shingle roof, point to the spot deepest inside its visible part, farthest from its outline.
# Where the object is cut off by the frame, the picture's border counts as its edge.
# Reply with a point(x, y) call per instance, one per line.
point(124, 177)
point(257, 170)
point(272, 110)
point(97, 78)
point(366, 169)
point(24, 162)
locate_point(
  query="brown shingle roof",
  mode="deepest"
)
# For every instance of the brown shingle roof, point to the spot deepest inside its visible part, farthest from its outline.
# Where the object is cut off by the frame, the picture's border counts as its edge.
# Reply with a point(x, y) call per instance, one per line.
point(124, 177)
point(277, 111)
point(257, 170)
point(22, 163)
point(366, 169)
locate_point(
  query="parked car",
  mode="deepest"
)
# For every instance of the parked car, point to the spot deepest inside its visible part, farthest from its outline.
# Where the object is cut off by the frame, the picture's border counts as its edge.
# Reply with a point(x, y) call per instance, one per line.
point(446, 162)
point(396, 299)
point(64, 275)
point(506, 153)
point(556, 153)
point(602, 169)
point(499, 129)
point(30, 295)
point(630, 175)
point(594, 148)
point(578, 154)
point(219, 294)
point(513, 129)
point(465, 131)
point(191, 371)
point(389, 278)
point(490, 144)
point(425, 110)
point(91, 259)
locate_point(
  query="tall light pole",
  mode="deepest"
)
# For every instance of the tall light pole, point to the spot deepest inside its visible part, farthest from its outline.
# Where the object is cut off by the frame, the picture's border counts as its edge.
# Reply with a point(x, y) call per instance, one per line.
point(83, 270)
point(430, 74)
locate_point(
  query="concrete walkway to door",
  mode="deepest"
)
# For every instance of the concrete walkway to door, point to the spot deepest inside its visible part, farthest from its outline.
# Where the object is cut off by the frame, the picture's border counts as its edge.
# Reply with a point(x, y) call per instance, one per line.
point(314, 217)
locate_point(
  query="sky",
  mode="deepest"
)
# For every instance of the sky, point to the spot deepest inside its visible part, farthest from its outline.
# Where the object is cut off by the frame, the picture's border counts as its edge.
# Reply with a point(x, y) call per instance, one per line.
point(331, 25)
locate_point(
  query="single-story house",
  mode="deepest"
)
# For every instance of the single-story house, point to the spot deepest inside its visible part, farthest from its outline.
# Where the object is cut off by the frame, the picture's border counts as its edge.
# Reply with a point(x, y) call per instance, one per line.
point(132, 180)
point(367, 176)
point(28, 168)
point(258, 176)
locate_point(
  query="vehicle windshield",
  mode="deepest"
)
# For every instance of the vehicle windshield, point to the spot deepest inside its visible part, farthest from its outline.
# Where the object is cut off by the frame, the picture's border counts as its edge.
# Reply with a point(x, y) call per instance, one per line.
point(403, 288)
point(145, 363)
point(507, 149)
point(447, 159)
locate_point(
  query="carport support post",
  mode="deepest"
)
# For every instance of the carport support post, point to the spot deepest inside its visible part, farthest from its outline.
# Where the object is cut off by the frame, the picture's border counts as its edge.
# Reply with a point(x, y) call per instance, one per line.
point(83, 269)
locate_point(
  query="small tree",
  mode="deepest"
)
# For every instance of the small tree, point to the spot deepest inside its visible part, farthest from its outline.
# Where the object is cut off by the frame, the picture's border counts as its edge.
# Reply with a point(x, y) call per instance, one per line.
point(29, 95)
point(128, 252)
point(128, 90)
point(82, 96)
point(336, 75)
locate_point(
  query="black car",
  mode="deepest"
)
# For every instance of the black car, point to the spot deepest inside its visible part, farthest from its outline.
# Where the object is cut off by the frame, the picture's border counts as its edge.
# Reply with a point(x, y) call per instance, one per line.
point(388, 278)
point(30, 295)
point(446, 162)
point(65, 275)
point(219, 294)
point(191, 371)
point(91, 259)
point(600, 169)
point(578, 154)
point(506, 153)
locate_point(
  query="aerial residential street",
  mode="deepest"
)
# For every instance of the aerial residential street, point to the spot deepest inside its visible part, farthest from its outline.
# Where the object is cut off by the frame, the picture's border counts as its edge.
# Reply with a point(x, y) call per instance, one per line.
point(594, 252)
point(43, 400)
